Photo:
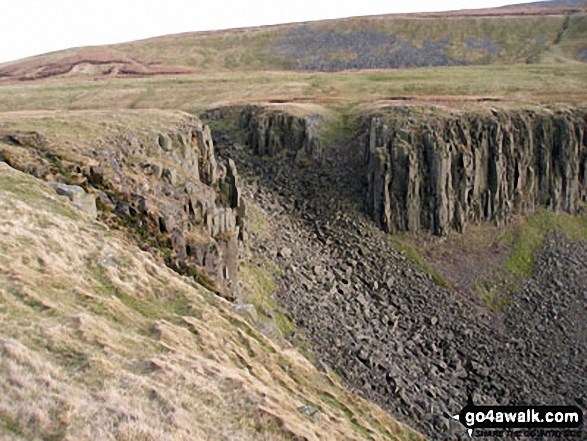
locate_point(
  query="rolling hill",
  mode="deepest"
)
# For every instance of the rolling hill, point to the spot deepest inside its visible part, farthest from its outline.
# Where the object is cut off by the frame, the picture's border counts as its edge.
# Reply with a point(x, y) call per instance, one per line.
point(533, 33)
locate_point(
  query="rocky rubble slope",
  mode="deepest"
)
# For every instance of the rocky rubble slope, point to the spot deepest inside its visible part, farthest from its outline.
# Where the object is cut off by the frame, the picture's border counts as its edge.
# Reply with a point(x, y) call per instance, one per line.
point(394, 335)
point(308, 48)
point(155, 175)
point(437, 170)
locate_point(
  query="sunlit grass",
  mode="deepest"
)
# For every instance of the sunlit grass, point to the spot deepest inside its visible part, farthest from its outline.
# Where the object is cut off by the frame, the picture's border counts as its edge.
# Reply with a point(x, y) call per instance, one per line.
point(518, 83)
point(532, 233)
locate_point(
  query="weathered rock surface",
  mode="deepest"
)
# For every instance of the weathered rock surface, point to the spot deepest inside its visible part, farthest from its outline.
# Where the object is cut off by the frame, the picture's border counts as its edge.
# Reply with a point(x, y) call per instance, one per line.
point(414, 347)
point(311, 48)
point(437, 170)
point(81, 200)
point(166, 189)
point(271, 131)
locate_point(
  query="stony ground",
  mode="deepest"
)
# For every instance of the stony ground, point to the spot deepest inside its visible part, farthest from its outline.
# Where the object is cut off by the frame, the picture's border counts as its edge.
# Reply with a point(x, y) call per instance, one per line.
point(366, 49)
point(391, 332)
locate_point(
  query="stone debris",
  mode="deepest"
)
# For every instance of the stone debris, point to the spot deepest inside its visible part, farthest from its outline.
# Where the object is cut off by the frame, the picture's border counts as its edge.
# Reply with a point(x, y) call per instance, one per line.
point(108, 261)
point(311, 48)
point(270, 330)
point(248, 311)
point(285, 253)
point(310, 411)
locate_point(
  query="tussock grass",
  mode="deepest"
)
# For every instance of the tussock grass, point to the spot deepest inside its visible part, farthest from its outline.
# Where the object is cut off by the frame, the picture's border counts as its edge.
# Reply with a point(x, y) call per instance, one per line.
point(410, 250)
point(258, 223)
point(259, 284)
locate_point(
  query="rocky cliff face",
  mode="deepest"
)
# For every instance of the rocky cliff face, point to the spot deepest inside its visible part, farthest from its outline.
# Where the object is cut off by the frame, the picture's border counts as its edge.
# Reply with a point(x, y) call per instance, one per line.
point(271, 131)
point(437, 170)
point(166, 188)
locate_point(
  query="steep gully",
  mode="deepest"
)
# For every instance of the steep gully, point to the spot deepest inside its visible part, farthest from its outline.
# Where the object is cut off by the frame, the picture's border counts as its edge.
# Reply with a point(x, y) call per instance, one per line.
point(396, 337)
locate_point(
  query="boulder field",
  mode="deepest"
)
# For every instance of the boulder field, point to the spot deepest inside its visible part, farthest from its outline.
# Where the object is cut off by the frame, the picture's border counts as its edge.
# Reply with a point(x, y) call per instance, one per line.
point(400, 339)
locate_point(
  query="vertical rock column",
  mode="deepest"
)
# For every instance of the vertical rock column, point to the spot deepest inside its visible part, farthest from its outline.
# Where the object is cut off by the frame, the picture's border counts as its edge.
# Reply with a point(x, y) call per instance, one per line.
point(437, 171)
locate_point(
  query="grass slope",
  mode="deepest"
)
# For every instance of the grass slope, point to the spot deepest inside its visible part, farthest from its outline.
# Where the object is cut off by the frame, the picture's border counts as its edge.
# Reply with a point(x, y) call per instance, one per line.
point(340, 91)
point(99, 341)
point(504, 36)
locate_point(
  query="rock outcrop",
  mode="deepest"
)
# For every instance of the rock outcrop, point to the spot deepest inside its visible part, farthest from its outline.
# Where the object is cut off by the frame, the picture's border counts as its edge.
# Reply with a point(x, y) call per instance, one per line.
point(166, 189)
point(270, 130)
point(437, 170)
point(81, 200)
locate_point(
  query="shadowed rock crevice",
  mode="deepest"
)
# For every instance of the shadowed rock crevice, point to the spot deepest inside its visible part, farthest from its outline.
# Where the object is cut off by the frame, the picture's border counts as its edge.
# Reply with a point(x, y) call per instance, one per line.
point(275, 132)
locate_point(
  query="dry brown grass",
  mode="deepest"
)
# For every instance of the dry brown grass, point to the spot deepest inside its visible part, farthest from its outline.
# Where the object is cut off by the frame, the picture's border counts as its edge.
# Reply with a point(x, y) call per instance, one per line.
point(99, 341)
point(196, 92)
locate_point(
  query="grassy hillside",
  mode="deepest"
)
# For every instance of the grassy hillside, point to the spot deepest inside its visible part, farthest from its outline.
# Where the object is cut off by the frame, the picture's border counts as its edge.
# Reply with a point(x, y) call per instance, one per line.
point(342, 90)
point(99, 341)
point(373, 42)
point(516, 54)
point(523, 35)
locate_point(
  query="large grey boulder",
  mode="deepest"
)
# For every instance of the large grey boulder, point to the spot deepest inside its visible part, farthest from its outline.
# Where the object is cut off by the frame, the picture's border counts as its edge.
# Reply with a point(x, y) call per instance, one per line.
point(247, 311)
point(83, 201)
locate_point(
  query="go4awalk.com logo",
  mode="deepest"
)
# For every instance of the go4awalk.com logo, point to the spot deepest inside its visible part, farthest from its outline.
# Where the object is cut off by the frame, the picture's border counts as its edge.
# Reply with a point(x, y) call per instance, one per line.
point(521, 421)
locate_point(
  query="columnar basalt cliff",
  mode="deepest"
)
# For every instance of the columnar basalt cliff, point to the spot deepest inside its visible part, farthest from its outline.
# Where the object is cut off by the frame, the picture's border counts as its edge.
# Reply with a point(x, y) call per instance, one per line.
point(270, 130)
point(165, 188)
point(437, 170)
